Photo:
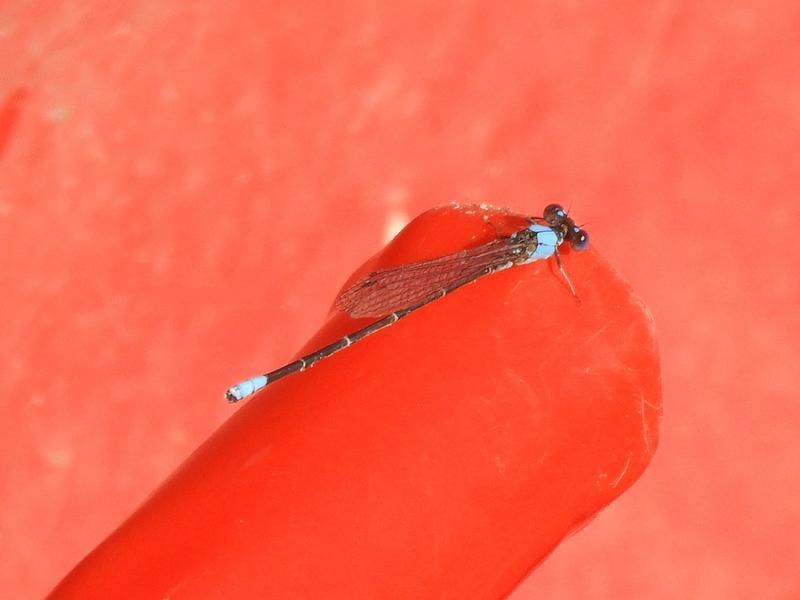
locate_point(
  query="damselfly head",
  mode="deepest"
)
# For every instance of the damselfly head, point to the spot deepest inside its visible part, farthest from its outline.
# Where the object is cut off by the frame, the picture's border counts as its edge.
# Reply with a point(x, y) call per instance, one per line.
point(557, 218)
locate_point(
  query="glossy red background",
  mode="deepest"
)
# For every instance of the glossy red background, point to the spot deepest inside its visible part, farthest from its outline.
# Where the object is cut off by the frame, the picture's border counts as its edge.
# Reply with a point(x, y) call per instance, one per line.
point(169, 174)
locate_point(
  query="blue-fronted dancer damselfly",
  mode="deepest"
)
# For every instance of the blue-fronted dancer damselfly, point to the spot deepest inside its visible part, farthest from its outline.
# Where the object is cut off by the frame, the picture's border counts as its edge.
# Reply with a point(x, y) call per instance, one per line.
point(396, 292)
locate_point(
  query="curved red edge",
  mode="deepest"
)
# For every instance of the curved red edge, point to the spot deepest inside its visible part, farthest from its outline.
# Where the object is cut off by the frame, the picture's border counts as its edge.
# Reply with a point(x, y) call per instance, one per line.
point(443, 457)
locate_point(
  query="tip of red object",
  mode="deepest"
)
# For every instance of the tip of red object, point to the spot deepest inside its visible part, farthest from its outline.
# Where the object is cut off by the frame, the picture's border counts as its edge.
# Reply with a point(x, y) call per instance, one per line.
point(446, 455)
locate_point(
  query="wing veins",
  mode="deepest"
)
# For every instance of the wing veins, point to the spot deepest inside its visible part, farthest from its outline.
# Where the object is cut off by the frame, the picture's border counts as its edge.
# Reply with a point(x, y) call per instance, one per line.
point(387, 290)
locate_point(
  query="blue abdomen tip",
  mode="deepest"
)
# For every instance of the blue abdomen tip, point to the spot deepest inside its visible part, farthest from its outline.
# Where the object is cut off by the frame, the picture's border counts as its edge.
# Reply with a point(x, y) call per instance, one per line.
point(245, 388)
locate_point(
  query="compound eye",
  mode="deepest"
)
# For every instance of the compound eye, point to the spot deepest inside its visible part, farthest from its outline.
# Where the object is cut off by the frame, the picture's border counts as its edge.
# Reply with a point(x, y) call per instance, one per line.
point(578, 238)
point(554, 214)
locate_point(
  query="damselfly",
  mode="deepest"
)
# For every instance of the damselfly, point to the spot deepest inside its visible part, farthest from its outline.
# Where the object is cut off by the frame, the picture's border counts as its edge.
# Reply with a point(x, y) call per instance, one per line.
point(396, 292)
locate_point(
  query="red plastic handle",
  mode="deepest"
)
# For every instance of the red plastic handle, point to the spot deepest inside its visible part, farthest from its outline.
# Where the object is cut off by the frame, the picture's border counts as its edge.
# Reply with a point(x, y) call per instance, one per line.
point(443, 457)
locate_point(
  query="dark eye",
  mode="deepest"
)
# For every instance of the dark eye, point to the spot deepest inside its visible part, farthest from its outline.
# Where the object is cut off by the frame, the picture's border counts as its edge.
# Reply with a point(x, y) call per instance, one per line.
point(578, 239)
point(554, 214)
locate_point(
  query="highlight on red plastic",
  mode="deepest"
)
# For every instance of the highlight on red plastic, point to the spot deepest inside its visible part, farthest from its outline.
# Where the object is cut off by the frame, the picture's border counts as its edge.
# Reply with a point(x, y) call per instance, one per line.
point(445, 456)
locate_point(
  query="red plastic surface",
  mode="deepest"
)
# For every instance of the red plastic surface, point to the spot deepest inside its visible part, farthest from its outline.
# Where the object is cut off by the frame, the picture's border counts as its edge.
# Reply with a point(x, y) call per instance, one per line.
point(442, 457)
point(185, 186)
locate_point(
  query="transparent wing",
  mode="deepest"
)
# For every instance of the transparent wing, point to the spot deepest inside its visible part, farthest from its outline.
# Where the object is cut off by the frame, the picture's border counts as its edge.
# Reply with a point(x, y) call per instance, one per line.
point(388, 290)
